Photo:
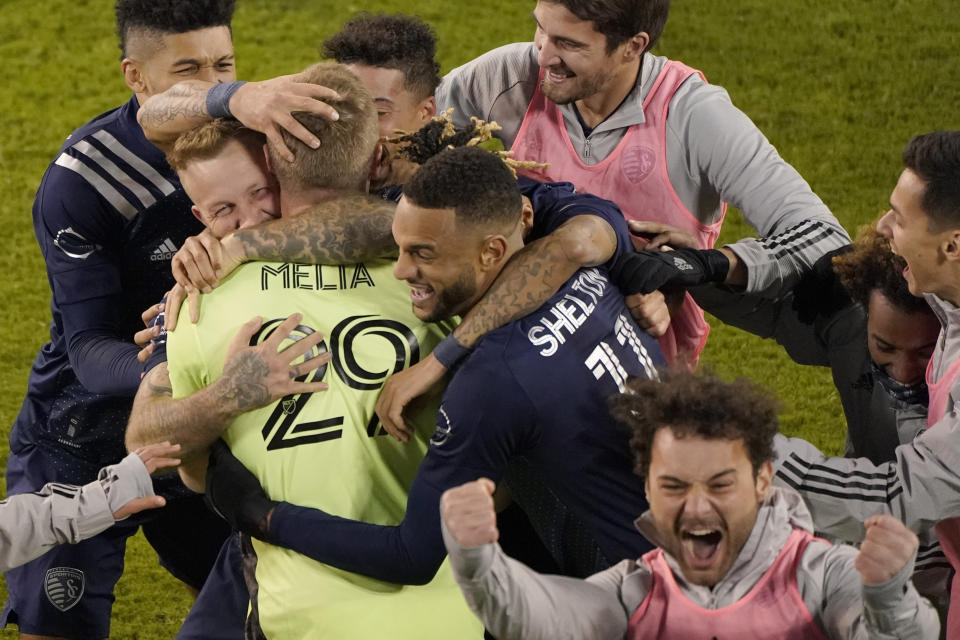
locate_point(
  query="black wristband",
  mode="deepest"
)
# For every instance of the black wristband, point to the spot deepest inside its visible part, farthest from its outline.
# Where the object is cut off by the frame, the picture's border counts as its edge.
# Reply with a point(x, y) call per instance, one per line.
point(218, 98)
point(450, 352)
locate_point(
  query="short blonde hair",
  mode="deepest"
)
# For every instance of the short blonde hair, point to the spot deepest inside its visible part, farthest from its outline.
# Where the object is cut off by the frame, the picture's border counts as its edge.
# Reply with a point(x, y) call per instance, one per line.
point(208, 140)
point(346, 145)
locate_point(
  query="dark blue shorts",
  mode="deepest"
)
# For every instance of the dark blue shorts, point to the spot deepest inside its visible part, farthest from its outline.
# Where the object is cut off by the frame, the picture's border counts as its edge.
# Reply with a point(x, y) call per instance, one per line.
point(68, 592)
point(220, 611)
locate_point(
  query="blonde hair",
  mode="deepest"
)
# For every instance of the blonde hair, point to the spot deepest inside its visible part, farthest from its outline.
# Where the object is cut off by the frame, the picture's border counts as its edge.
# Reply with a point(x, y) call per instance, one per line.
point(346, 145)
point(208, 140)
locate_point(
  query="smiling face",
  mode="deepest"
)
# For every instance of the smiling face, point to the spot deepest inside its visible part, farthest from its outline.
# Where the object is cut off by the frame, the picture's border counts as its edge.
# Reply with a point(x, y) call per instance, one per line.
point(572, 54)
point(900, 343)
point(157, 61)
point(232, 190)
point(438, 263)
point(704, 499)
point(398, 108)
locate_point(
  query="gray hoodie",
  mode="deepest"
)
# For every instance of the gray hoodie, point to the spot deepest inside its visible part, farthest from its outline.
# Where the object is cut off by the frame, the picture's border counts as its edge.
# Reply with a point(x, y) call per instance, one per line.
point(514, 601)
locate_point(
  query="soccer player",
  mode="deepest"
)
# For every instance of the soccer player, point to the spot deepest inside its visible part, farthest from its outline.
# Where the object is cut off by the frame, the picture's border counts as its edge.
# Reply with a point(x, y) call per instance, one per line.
point(393, 55)
point(737, 557)
point(108, 215)
point(922, 485)
point(33, 523)
point(324, 450)
point(648, 133)
point(528, 405)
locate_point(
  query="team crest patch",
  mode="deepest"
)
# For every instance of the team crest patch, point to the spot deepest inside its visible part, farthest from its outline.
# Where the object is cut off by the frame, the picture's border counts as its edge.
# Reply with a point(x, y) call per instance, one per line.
point(638, 163)
point(63, 586)
point(442, 432)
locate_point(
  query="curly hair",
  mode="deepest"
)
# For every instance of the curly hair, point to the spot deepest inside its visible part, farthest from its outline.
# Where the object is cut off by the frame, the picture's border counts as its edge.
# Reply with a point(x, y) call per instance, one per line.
point(170, 16)
point(475, 183)
point(871, 265)
point(620, 20)
point(935, 157)
point(699, 405)
point(401, 42)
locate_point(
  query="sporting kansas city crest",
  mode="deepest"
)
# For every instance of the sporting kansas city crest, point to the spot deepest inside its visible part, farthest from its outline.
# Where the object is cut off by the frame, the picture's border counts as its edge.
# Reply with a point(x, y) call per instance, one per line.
point(63, 586)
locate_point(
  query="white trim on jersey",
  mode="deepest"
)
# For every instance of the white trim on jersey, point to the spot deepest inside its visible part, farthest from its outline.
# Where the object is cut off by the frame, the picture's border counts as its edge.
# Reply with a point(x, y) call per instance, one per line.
point(104, 188)
point(118, 174)
point(135, 161)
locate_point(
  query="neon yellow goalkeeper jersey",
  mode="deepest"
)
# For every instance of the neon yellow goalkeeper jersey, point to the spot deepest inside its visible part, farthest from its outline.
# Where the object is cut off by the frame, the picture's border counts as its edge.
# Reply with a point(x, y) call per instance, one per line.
point(327, 450)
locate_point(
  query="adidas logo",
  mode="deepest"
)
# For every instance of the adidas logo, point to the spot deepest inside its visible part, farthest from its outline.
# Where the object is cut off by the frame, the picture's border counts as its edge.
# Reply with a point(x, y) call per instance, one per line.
point(164, 252)
point(681, 264)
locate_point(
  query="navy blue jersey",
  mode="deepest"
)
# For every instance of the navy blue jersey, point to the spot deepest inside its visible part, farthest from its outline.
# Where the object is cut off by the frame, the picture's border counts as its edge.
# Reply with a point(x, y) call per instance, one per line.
point(109, 215)
point(529, 406)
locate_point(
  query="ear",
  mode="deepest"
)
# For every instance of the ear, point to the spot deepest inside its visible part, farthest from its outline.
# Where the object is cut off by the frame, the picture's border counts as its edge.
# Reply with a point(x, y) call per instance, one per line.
point(635, 46)
point(493, 253)
point(132, 76)
point(951, 245)
point(427, 110)
point(764, 477)
point(266, 155)
point(379, 164)
point(198, 215)
point(526, 216)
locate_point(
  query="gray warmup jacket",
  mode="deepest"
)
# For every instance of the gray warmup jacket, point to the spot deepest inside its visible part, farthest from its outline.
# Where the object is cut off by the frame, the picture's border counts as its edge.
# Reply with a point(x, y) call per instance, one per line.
point(33, 523)
point(921, 486)
point(515, 602)
point(714, 154)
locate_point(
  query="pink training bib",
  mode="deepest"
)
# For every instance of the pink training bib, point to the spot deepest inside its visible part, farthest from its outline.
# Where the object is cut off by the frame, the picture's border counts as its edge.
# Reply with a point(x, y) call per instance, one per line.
point(772, 609)
point(948, 531)
point(634, 176)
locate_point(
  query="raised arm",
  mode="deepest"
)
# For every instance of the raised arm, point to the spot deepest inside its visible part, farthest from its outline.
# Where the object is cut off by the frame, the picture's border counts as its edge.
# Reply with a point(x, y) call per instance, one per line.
point(920, 487)
point(265, 106)
point(512, 600)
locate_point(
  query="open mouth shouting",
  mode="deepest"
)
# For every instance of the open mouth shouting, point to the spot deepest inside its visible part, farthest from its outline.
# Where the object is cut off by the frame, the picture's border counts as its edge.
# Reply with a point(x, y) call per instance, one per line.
point(701, 546)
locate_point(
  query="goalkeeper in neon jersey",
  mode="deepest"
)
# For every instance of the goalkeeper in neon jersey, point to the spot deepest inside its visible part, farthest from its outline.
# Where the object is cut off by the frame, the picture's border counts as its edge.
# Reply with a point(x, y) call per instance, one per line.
point(325, 450)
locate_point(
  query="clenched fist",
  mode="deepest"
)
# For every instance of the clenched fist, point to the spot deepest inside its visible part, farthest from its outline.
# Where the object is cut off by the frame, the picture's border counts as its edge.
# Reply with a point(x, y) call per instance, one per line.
point(886, 549)
point(469, 514)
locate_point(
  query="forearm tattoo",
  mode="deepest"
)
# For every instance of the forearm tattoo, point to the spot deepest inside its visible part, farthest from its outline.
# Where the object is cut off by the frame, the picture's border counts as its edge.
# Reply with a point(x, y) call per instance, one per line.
point(243, 378)
point(182, 101)
point(339, 231)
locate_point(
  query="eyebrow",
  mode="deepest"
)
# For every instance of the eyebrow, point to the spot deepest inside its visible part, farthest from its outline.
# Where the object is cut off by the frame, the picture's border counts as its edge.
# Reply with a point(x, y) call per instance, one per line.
point(387, 100)
point(419, 247)
point(715, 476)
point(198, 62)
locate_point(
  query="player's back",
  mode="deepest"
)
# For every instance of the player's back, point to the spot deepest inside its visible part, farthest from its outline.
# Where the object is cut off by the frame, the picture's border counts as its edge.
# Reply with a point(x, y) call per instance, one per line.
point(327, 450)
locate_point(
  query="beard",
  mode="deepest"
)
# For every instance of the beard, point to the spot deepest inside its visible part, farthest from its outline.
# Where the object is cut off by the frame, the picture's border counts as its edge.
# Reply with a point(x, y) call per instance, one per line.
point(451, 300)
point(577, 87)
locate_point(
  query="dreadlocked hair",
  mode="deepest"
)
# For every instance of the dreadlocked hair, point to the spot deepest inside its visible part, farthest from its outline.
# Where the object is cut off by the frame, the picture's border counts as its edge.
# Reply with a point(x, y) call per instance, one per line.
point(440, 134)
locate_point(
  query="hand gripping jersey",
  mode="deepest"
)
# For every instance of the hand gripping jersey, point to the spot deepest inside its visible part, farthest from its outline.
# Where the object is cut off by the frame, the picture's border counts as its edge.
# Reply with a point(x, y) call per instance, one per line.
point(634, 176)
point(772, 609)
point(327, 450)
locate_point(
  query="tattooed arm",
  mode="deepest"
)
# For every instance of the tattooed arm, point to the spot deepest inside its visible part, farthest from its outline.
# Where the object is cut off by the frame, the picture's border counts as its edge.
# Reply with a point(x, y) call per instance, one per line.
point(265, 106)
point(345, 229)
point(342, 230)
point(536, 272)
point(527, 281)
point(252, 377)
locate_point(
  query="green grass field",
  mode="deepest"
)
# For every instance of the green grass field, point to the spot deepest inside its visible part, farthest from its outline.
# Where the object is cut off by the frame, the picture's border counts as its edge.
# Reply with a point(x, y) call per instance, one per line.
point(838, 88)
